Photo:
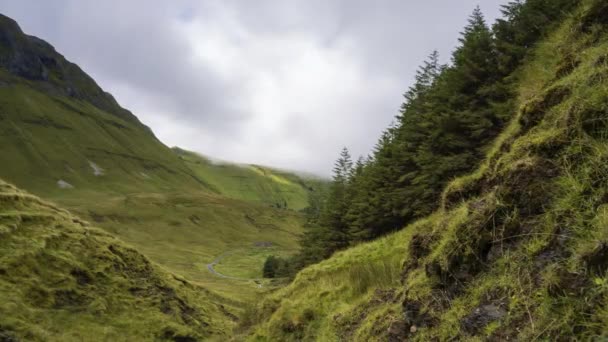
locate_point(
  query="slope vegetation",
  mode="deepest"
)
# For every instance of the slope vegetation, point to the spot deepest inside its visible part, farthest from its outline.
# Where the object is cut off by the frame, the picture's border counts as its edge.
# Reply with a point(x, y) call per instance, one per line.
point(518, 249)
point(63, 138)
point(59, 130)
point(63, 280)
point(253, 183)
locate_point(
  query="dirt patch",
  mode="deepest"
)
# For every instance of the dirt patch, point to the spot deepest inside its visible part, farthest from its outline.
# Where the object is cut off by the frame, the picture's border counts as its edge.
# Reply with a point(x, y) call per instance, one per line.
point(6, 335)
point(481, 317)
point(82, 277)
point(70, 299)
point(567, 66)
point(597, 15)
point(597, 259)
point(195, 219)
point(169, 334)
point(567, 284)
point(595, 123)
point(535, 110)
point(348, 325)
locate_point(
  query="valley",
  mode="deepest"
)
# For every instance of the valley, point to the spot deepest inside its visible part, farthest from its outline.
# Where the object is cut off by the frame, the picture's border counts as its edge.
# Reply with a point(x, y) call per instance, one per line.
point(480, 215)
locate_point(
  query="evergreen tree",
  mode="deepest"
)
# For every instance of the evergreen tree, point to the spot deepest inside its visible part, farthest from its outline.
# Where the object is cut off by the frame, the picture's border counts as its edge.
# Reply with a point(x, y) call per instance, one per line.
point(448, 118)
point(332, 218)
point(270, 267)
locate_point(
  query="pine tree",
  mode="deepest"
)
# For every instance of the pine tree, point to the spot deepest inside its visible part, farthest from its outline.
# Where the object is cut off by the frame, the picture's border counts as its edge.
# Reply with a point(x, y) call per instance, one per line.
point(448, 118)
point(333, 217)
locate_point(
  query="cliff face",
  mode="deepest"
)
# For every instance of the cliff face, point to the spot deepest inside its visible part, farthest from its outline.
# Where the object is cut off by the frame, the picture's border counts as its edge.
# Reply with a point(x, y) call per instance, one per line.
point(37, 61)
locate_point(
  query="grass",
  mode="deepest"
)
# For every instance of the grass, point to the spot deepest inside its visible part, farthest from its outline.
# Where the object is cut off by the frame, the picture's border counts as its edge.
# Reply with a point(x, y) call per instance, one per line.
point(63, 280)
point(176, 207)
point(336, 288)
point(184, 232)
point(517, 250)
point(246, 262)
point(253, 183)
point(173, 206)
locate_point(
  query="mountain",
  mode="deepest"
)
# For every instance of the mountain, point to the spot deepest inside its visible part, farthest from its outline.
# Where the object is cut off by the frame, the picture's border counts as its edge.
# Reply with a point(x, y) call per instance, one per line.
point(59, 129)
point(517, 249)
point(181, 241)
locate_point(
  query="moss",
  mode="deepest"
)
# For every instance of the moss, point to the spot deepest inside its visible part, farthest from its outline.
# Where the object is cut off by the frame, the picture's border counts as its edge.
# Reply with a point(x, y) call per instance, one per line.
point(62, 280)
point(518, 250)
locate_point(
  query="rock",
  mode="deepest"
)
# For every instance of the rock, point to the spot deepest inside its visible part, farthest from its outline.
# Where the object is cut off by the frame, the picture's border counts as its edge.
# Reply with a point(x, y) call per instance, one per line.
point(482, 316)
point(97, 171)
point(397, 331)
point(64, 185)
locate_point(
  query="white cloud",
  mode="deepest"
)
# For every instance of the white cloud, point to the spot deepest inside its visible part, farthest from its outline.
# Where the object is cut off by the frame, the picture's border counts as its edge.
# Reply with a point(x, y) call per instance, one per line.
point(285, 83)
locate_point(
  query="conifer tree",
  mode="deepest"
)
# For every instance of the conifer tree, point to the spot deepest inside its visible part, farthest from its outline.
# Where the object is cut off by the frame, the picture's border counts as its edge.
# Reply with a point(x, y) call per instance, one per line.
point(333, 232)
point(449, 116)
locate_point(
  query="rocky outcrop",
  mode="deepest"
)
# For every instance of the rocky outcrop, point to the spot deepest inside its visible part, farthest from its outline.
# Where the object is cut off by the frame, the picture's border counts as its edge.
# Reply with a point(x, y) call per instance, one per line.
point(34, 59)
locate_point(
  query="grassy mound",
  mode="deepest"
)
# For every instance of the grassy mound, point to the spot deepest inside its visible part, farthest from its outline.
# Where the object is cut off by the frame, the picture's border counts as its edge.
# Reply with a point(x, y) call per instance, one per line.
point(62, 280)
point(519, 250)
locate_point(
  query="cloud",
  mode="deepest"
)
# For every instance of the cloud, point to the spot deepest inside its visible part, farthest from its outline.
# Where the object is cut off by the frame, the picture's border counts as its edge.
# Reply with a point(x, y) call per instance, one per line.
point(283, 83)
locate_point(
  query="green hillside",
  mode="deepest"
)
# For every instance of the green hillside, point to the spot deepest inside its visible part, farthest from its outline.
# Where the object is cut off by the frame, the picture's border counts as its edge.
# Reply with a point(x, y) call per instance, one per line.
point(63, 138)
point(517, 249)
point(59, 130)
point(481, 215)
point(63, 280)
point(253, 183)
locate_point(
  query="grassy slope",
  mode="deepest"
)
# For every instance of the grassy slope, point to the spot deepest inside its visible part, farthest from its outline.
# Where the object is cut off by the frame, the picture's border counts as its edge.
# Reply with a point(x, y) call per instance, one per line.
point(147, 195)
point(185, 231)
point(62, 280)
point(251, 182)
point(44, 139)
point(519, 249)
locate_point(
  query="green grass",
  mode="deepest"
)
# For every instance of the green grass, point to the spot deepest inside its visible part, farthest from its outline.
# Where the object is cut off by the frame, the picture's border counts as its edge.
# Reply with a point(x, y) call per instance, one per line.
point(340, 287)
point(63, 280)
point(252, 182)
point(245, 262)
point(524, 235)
point(186, 231)
point(174, 206)
point(45, 139)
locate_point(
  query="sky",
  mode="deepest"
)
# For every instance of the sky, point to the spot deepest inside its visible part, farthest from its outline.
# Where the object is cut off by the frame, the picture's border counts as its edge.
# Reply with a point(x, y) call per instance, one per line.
point(283, 83)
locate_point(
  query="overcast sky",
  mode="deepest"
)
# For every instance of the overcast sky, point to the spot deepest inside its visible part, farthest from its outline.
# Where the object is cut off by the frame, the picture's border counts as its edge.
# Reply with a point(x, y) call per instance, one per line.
point(285, 83)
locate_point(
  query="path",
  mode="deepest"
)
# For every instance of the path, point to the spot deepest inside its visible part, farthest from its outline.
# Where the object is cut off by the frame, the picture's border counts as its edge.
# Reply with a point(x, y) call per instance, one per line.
point(217, 260)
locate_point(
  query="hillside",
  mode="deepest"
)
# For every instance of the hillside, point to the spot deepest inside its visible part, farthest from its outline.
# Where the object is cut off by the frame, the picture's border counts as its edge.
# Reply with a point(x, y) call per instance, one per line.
point(63, 280)
point(59, 130)
point(253, 183)
point(517, 249)
point(68, 141)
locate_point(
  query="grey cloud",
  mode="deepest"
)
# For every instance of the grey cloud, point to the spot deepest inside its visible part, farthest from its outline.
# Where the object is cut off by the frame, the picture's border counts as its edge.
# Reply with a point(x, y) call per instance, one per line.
point(286, 83)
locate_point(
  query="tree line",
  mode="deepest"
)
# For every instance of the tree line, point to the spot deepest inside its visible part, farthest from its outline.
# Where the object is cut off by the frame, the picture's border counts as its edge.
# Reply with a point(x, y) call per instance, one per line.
point(448, 118)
